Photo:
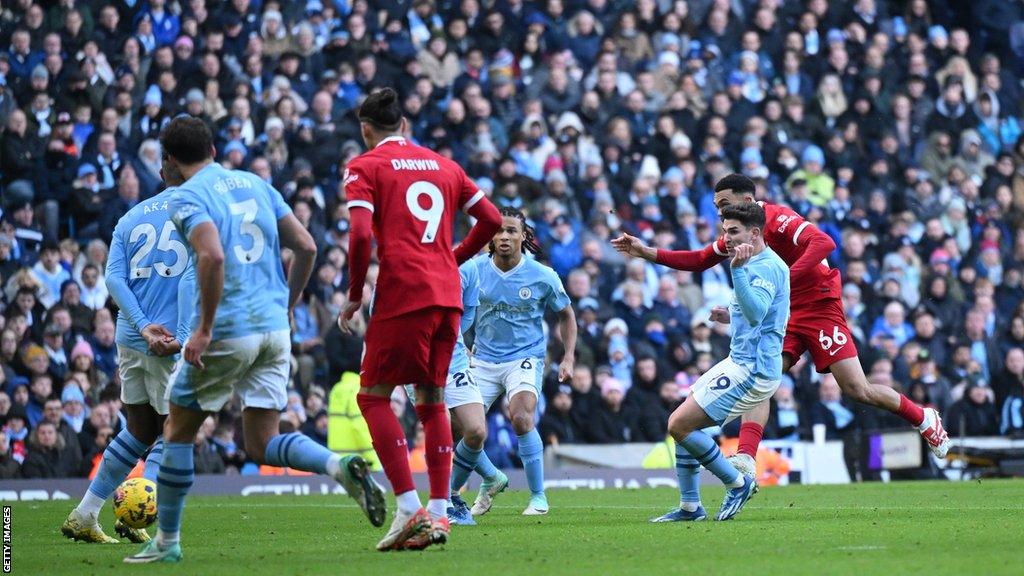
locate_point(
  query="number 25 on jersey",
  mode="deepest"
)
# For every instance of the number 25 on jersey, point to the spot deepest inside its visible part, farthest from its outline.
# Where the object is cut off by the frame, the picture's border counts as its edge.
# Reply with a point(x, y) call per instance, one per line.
point(165, 243)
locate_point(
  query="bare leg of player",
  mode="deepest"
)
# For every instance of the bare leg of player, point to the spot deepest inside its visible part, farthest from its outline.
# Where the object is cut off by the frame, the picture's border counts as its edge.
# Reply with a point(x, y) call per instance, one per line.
point(470, 424)
point(521, 408)
point(695, 449)
point(854, 384)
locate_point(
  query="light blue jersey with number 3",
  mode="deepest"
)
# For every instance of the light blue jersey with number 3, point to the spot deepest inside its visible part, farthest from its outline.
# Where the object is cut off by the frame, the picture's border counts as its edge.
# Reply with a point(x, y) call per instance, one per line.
point(147, 261)
point(245, 210)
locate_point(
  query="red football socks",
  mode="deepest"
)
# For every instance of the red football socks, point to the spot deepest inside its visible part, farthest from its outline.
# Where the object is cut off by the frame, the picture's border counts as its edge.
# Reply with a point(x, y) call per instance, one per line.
point(388, 440)
point(909, 411)
point(750, 437)
point(438, 449)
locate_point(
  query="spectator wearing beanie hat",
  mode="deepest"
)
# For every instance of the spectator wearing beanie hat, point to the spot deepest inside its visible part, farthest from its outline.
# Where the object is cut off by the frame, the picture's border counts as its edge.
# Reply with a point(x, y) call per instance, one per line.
point(820, 186)
point(75, 412)
point(83, 363)
point(557, 426)
point(16, 428)
point(82, 348)
point(615, 419)
point(81, 315)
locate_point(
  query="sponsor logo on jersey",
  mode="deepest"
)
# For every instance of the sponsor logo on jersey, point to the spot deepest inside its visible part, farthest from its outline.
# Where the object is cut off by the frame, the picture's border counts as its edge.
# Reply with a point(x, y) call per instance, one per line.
point(348, 178)
point(786, 220)
point(184, 212)
point(762, 283)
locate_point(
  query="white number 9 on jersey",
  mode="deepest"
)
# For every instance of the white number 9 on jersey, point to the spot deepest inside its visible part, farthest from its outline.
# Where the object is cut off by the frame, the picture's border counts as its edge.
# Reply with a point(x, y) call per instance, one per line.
point(431, 214)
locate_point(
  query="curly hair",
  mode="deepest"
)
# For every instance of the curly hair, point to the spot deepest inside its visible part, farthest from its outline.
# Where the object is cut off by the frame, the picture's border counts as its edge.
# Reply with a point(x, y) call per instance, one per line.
point(530, 243)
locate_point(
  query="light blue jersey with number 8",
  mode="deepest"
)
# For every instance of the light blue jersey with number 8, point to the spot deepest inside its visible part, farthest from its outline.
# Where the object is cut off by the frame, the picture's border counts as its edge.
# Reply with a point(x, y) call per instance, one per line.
point(245, 211)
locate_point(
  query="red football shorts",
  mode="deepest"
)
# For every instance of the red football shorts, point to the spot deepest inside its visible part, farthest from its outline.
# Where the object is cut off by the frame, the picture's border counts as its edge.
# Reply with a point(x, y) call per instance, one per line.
point(413, 348)
point(820, 328)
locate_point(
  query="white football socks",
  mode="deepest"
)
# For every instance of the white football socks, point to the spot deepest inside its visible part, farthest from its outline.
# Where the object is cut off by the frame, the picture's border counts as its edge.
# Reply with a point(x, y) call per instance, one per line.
point(334, 465)
point(438, 508)
point(90, 505)
point(409, 502)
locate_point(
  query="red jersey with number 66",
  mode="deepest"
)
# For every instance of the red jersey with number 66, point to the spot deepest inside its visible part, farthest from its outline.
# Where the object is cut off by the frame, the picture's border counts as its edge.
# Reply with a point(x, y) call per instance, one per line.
point(788, 234)
point(817, 322)
point(414, 194)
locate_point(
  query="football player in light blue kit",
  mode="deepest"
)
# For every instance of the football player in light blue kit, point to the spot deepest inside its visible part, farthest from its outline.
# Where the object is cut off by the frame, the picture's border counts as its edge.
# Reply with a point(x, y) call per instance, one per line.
point(510, 345)
point(148, 274)
point(466, 405)
point(748, 376)
point(236, 226)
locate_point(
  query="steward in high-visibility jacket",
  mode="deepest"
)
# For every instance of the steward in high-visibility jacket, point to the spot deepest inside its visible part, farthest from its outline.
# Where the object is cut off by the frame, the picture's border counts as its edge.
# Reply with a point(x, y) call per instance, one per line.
point(347, 432)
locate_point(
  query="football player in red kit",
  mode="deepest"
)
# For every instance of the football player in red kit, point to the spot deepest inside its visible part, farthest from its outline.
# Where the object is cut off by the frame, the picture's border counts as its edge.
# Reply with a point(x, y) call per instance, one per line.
point(407, 196)
point(817, 322)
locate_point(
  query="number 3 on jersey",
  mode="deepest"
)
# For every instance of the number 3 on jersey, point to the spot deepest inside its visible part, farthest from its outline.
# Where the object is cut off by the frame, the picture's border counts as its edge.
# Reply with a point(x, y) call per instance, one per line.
point(431, 214)
point(166, 244)
point(247, 210)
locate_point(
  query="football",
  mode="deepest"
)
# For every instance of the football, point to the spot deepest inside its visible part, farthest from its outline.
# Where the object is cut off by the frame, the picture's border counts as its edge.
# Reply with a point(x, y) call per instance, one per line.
point(135, 502)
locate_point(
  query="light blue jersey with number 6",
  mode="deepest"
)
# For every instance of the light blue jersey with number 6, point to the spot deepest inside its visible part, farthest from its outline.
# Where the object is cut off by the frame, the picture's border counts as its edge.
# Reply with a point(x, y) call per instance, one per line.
point(147, 262)
point(245, 210)
point(510, 315)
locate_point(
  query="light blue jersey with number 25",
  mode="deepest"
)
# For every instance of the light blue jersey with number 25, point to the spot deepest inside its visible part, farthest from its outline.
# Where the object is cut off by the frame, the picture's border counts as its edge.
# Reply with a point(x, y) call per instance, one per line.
point(245, 210)
point(147, 262)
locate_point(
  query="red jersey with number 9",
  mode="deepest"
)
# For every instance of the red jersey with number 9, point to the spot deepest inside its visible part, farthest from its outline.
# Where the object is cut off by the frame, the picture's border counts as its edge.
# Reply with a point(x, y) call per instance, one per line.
point(414, 194)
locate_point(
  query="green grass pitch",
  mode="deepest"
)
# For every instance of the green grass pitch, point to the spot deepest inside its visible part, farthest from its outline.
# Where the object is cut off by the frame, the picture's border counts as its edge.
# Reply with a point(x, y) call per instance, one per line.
point(893, 529)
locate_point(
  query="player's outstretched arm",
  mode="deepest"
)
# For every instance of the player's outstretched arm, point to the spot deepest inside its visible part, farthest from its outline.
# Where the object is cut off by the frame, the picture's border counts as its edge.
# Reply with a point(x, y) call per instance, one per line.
point(689, 260)
point(296, 238)
point(205, 241)
point(488, 222)
point(633, 246)
point(567, 326)
point(693, 260)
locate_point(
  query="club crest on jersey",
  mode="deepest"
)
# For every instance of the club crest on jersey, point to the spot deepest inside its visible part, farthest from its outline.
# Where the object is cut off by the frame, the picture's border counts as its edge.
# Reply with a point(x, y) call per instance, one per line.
point(525, 293)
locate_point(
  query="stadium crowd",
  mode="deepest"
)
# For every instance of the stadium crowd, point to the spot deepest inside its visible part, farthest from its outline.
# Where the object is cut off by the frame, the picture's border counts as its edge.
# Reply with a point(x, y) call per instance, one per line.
point(894, 126)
